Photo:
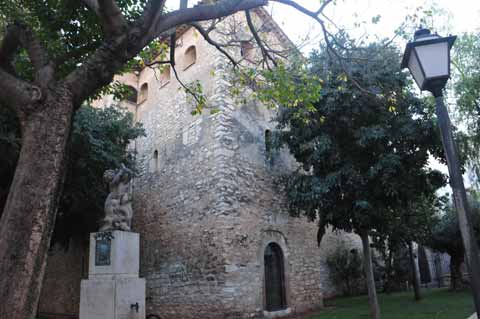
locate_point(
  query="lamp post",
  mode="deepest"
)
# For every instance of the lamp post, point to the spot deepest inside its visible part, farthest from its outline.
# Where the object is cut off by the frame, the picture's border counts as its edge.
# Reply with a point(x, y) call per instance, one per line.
point(428, 59)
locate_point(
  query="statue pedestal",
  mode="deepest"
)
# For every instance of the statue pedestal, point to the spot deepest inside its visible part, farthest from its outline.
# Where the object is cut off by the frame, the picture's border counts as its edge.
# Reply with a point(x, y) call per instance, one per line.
point(113, 289)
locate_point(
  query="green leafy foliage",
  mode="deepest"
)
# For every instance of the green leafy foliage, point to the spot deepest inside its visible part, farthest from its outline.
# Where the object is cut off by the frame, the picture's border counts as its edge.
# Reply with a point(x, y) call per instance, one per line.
point(365, 145)
point(69, 31)
point(289, 84)
point(99, 141)
point(412, 223)
point(447, 238)
point(466, 90)
point(346, 269)
point(438, 304)
point(196, 96)
point(397, 271)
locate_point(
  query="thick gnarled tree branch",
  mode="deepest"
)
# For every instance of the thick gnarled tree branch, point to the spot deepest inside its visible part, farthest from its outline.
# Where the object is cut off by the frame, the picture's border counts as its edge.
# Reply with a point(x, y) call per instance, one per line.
point(110, 14)
point(153, 10)
point(199, 13)
point(9, 47)
point(16, 93)
point(19, 36)
point(100, 68)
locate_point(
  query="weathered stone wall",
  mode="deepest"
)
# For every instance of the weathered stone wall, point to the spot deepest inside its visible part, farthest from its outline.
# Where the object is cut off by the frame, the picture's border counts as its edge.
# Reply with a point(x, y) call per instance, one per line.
point(252, 197)
point(61, 286)
point(439, 267)
point(207, 202)
point(175, 194)
point(211, 202)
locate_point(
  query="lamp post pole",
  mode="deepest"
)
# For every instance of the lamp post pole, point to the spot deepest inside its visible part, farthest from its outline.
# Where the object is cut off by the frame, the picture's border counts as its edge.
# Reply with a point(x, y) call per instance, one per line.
point(428, 59)
point(459, 197)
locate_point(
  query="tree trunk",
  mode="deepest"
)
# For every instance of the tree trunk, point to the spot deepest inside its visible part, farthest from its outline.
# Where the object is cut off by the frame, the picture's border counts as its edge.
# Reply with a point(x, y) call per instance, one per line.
point(387, 288)
point(29, 215)
point(372, 292)
point(413, 267)
point(456, 277)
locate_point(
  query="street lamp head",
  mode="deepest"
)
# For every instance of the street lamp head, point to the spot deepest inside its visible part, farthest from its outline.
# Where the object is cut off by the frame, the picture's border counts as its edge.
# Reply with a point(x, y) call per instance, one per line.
point(428, 59)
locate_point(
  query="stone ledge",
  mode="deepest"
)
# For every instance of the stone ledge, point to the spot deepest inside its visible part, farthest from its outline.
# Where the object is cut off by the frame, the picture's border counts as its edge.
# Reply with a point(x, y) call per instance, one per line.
point(277, 314)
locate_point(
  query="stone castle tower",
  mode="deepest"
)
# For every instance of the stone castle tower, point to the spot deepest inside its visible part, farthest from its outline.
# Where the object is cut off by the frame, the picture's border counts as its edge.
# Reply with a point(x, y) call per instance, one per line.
point(216, 237)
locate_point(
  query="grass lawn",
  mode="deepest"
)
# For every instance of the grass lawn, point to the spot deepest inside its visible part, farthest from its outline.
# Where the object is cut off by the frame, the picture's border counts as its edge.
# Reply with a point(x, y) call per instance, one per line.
point(436, 304)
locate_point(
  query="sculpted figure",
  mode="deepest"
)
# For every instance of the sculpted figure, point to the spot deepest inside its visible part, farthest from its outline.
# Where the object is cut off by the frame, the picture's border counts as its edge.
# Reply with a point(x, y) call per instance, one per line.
point(118, 205)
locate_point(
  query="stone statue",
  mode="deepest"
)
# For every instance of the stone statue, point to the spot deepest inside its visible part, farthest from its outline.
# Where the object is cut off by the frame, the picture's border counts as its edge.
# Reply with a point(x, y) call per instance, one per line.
point(118, 205)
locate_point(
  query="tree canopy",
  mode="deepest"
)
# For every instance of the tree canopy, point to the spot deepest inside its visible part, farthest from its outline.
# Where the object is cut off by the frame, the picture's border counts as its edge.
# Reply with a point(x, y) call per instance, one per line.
point(466, 91)
point(446, 237)
point(363, 146)
point(100, 140)
point(55, 55)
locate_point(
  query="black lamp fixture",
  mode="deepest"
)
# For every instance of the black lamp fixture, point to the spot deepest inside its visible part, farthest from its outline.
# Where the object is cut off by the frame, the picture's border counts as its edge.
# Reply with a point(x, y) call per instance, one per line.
point(428, 59)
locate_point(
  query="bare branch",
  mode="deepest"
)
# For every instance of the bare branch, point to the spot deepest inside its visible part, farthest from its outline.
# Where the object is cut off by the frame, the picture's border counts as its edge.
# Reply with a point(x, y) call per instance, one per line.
point(206, 36)
point(265, 53)
point(328, 38)
point(154, 63)
point(185, 87)
point(313, 15)
point(152, 11)
point(202, 12)
point(304, 10)
point(323, 6)
point(171, 61)
point(109, 13)
point(76, 53)
point(213, 24)
point(99, 68)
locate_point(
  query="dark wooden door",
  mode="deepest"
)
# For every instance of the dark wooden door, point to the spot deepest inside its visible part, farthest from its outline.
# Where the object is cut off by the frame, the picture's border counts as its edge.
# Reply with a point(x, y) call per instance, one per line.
point(423, 266)
point(274, 278)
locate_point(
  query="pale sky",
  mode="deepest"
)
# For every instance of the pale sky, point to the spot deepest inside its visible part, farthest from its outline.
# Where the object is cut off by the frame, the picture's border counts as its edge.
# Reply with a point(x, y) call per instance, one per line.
point(461, 16)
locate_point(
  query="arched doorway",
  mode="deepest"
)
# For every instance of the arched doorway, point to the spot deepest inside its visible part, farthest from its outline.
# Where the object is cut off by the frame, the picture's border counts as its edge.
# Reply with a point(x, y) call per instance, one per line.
point(274, 278)
point(423, 266)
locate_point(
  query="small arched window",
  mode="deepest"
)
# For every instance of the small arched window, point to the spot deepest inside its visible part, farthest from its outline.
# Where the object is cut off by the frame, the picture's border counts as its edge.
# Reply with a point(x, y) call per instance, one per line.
point(131, 95)
point(154, 162)
point(268, 146)
point(143, 93)
point(190, 56)
point(165, 76)
point(247, 50)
